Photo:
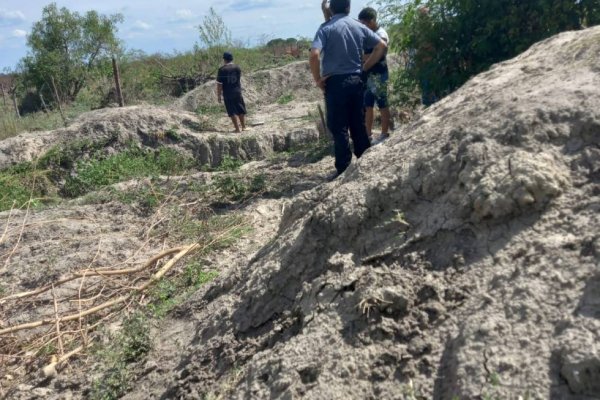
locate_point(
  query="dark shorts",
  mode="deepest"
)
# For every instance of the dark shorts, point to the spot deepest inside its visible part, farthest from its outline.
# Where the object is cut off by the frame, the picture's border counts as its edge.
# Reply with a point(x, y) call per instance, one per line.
point(376, 91)
point(235, 105)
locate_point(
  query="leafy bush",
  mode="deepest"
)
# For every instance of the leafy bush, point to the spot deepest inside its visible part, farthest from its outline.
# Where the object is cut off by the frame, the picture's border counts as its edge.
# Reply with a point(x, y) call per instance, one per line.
point(445, 42)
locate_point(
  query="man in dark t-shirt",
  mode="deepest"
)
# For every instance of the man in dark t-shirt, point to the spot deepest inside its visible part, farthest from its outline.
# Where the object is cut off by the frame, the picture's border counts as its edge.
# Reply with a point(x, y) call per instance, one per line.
point(230, 88)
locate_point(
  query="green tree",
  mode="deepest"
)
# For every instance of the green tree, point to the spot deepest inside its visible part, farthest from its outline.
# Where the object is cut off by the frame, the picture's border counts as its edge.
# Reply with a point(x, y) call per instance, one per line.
point(215, 37)
point(66, 46)
point(448, 41)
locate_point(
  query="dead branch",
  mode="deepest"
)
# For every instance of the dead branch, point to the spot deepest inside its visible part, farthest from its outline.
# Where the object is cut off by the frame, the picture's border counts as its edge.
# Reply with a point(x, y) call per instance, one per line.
point(58, 334)
point(111, 303)
point(7, 223)
point(90, 273)
point(20, 233)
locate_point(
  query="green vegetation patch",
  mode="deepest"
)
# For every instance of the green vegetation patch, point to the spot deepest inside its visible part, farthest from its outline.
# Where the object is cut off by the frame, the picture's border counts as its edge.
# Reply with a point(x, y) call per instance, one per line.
point(130, 345)
point(285, 98)
point(22, 186)
point(132, 163)
point(81, 167)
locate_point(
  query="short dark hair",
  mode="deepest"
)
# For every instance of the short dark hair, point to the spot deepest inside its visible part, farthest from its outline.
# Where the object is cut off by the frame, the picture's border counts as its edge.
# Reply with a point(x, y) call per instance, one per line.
point(227, 56)
point(367, 14)
point(339, 6)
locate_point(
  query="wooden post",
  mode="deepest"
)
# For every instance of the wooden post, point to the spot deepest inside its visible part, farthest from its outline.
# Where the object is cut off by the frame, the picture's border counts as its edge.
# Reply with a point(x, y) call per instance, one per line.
point(118, 82)
point(3, 94)
point(57, 98)
point(14, 99)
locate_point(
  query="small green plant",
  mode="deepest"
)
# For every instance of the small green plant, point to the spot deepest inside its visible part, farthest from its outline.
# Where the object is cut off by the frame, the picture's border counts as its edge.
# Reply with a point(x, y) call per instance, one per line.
point(164, 297)
point(229, 163)
point(130, 345)
point(135, 338)
point(195, 275)
point(173, 134)
point(234, 188)
point(285, 98)
point(112, 385)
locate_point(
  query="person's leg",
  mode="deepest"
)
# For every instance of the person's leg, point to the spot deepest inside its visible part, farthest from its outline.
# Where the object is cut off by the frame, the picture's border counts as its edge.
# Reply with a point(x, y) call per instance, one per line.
point(385, 120)
point(337, 121)
point(369, 116)
point(382, 103)
point(242, 118)
point(235, 123)
point(356, 112)
point(369, 104)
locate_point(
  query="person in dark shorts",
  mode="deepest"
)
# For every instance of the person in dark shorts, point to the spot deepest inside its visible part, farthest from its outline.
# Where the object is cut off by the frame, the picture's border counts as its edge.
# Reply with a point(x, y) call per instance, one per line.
point(230, 88)
point(376, 78)
point(336, 65)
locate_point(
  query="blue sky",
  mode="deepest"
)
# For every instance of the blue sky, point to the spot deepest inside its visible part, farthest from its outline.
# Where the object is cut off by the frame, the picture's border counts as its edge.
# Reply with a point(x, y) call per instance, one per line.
point(166, 26)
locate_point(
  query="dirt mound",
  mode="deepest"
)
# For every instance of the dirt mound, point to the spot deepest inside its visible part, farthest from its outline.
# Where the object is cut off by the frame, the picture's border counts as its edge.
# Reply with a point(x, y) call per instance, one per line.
point(460, 259)
point(457, 260)
point(207, 139)
point(290, 82)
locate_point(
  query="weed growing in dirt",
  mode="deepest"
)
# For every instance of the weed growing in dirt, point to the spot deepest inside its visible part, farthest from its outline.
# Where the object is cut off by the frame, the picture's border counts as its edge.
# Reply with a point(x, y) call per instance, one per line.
point(229, 163)
point(236, 188)
point(169, 293)
point(130, 345)
point(173, 134)
point(285, 98)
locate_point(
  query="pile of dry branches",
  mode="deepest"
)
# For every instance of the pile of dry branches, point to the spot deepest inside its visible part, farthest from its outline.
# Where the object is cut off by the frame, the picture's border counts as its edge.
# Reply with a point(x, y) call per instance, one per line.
point(42, 329)
point(66, 312)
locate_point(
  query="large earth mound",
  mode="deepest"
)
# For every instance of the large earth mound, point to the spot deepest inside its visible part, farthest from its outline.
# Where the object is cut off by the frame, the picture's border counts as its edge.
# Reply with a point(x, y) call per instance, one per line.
point(458, 260)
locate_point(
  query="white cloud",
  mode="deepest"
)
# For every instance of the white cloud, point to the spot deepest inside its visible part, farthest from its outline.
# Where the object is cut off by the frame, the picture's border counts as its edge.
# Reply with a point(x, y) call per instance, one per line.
point(18, 33)
point(11, 17)
point(141, 25)
point(184, 15)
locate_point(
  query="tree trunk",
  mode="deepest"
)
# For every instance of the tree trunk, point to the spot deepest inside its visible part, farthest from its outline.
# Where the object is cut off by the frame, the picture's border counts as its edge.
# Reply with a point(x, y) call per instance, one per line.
point(14, 99)
point(57, 98)
point(43, 103)
point(3, 94)
point(118, 82)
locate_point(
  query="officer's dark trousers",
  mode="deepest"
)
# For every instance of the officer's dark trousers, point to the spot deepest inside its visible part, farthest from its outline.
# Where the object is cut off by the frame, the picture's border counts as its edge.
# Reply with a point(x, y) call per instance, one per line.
point(344, 96)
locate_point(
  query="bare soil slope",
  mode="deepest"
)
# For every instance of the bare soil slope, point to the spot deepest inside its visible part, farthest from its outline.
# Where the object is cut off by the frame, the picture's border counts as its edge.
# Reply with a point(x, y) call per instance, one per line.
point(461, 258)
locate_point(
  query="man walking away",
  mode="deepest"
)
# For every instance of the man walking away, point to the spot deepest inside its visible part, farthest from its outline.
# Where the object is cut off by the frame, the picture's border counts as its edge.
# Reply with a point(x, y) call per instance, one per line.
point(377, 78)
point(338, 46)
point(230, 87)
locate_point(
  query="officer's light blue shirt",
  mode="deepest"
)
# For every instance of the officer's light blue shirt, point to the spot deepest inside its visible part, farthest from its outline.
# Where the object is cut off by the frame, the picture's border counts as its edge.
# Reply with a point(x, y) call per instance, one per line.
point(341, 41)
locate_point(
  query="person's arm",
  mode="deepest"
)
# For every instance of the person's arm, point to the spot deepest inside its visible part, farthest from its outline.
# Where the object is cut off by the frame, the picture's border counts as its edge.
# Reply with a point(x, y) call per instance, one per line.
point(376, 55)
point(315, 68)
point(326, 11)
point(219, 91)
